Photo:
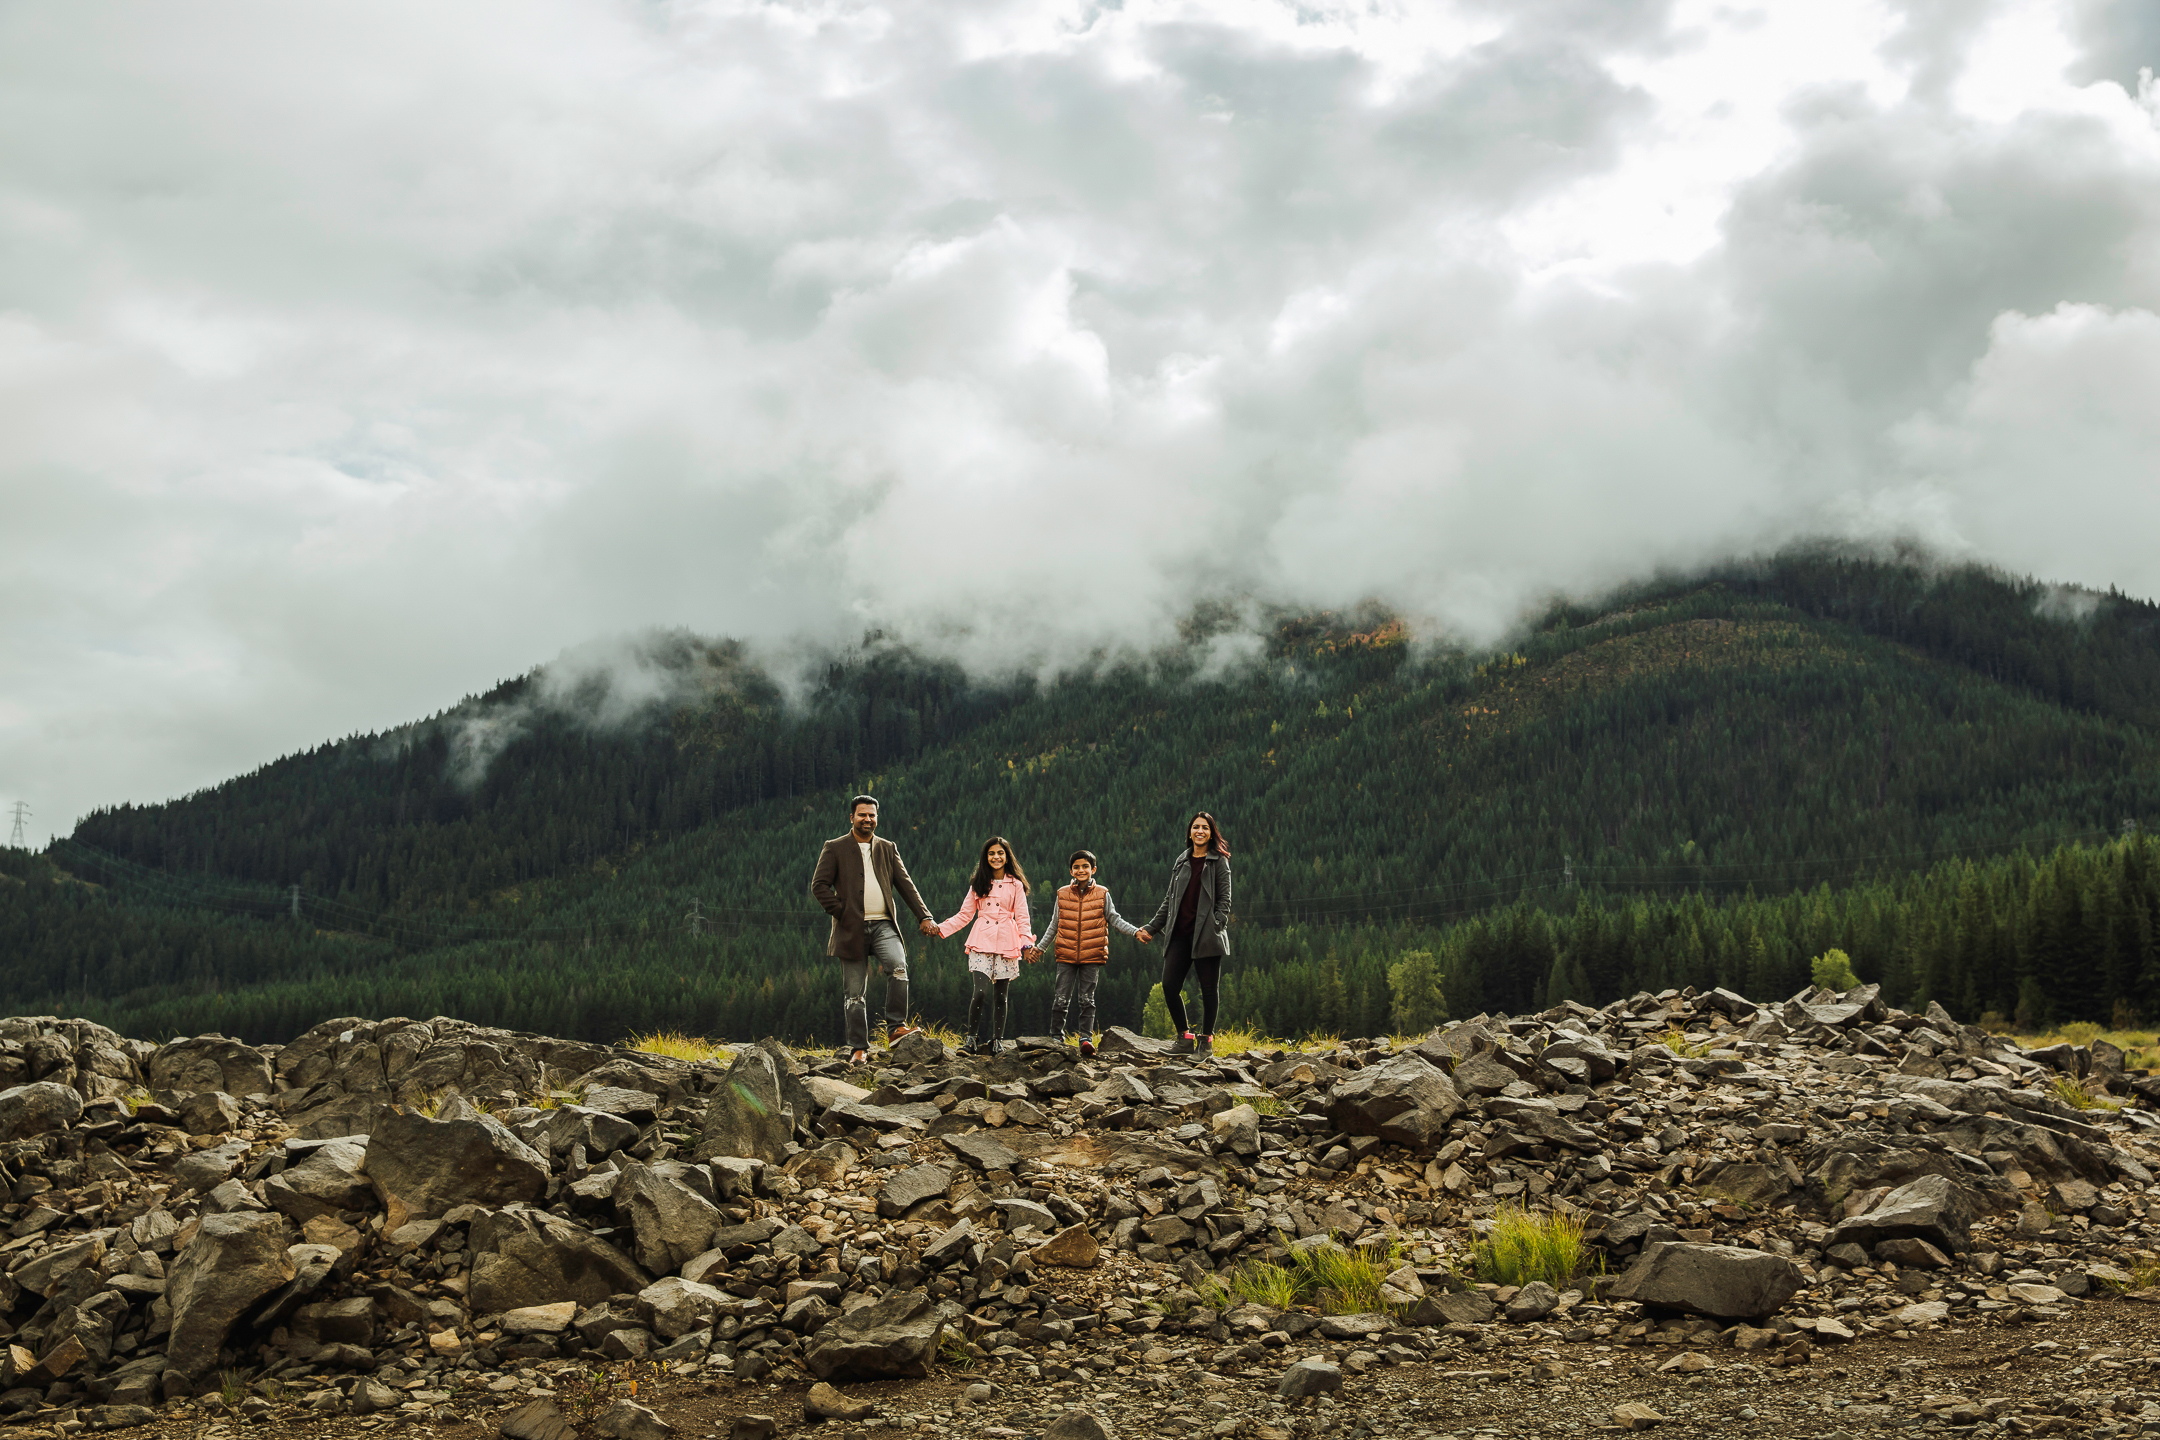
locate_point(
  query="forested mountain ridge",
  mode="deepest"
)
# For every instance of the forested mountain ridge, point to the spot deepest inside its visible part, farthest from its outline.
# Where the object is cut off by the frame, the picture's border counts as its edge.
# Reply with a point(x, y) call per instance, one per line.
point(1769, 728)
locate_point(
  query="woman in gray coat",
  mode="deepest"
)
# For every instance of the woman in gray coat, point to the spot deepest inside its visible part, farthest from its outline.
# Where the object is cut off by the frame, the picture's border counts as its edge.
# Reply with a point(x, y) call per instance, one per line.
point(1196, 908)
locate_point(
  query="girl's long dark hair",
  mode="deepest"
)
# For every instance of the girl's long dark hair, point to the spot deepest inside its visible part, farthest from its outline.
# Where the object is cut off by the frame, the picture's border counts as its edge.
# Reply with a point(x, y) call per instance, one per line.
point(980, 884)
point(1218, 843)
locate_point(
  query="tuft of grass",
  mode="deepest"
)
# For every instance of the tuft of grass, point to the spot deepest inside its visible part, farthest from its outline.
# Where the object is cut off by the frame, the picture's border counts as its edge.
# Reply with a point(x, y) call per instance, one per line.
point(1269, 1105)
point(584, 1394)
point(949, 1036)
point(556, 1099)
point(1677, 1042)
point(953, 1350)
point(1526, 1245)
point(678, 1046)
point(1343, 1281)
point(2066, 1089)
point(1237, 1039)
point(2145, 1275)
point(1260, 1282)
point(232, 1387)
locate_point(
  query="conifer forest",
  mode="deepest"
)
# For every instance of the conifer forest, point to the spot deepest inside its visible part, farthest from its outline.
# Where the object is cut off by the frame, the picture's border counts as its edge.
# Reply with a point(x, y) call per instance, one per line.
point(1949, 774)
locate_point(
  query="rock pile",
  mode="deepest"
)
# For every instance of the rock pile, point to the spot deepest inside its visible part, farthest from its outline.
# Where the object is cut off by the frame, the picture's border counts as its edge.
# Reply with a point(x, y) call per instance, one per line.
point(435, 1219)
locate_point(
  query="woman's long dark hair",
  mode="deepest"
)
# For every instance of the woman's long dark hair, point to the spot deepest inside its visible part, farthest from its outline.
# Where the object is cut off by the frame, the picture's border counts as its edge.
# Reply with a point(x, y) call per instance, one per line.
point(1218, 843)
point(980, 884)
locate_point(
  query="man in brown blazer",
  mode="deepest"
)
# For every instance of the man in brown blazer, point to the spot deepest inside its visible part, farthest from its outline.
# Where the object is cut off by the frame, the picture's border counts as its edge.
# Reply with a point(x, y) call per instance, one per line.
point(857, 880)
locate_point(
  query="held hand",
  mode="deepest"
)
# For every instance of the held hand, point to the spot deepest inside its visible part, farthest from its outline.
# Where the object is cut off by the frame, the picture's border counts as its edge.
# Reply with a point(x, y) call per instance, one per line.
point(1142, 935)
point(928, 928)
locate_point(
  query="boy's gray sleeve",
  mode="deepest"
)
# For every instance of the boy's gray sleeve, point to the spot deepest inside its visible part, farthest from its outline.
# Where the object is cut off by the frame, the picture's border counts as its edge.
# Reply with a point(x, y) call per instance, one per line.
point(1117, 922)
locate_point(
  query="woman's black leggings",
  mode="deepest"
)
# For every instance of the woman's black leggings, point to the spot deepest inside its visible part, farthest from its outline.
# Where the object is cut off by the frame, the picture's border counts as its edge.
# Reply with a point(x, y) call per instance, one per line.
point(1176, 964)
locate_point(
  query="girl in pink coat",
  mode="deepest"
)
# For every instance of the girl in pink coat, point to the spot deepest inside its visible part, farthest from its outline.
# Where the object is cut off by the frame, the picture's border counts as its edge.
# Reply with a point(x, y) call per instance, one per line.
point(997, 904)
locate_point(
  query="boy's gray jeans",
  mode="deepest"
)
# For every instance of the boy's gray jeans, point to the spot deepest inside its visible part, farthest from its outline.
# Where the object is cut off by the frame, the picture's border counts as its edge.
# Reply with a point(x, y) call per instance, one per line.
point(882, 944)
point(1075, 1000)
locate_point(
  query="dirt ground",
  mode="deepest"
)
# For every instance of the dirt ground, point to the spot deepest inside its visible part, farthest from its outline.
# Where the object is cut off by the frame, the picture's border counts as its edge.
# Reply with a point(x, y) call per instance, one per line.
point(2095, 1372)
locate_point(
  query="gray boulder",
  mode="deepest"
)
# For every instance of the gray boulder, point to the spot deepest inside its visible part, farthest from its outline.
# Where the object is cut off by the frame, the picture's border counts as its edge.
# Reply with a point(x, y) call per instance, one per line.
point(1237, 1129)
point(1080, 1424)
point(920, 1048)
point(628, 1420)
point(331, 1179)
point(910, 1187)
point(209, 1112)
point(672, 1222)
point(983, 1150)
point(1722, 1281)
point(748, 1117)
point(523, 1258)
point(423, 1168)
point(1533, 1302)
point(1452, 1307)
point(233, 1262)
point(674, 1307)
point(894, 1337)
point(599, 1131)
point(28, 1110)
point(1404, 1100)
point(207, 1169)
point(1309, 1377)
point(1933, 1208)
point(209, 1062)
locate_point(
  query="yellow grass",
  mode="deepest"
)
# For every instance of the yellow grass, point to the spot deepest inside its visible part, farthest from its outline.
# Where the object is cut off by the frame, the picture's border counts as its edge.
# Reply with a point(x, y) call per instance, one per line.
point(1525, 1245)
point(678, 1046)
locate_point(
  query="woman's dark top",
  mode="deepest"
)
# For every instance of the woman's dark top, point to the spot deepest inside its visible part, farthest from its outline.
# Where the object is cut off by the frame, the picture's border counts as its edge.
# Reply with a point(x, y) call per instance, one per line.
point(1190, 905)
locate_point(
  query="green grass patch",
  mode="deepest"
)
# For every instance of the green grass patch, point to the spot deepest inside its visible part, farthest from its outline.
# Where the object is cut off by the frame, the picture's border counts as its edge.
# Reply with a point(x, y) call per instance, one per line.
point(2066, 1089)
point(1526, 1245)
point(1333, 1277)
point(1342, 1280)
point(1259, 1282)
point(1677, 1042)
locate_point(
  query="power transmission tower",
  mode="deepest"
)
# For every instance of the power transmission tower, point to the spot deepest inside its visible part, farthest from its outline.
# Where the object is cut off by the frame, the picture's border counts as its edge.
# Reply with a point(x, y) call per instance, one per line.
point(19, 838)
point(696, 917)
point(296, 902)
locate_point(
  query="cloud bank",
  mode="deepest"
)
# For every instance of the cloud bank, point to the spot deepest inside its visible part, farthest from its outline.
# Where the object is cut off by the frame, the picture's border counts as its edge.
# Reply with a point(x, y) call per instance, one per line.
point(353, 357)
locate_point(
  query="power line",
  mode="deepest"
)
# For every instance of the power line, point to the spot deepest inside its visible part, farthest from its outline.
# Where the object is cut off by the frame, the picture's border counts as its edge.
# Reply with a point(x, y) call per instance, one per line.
point(20, 810)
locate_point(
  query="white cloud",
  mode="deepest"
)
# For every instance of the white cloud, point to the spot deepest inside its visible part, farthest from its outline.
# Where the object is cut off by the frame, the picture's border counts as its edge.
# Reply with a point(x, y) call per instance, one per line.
point(351, 360)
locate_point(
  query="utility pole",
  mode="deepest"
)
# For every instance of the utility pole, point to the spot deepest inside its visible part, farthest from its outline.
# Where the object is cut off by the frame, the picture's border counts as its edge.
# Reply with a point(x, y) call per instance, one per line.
point(696, 917)
point(20, 837)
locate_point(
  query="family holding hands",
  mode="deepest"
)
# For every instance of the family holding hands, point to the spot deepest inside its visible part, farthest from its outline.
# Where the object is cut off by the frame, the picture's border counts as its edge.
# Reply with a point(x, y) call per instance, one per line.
point(859, 875)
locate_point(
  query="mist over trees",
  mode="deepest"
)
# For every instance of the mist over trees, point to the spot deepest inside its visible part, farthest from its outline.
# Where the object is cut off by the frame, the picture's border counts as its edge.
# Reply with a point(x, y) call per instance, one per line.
point(1706, 782)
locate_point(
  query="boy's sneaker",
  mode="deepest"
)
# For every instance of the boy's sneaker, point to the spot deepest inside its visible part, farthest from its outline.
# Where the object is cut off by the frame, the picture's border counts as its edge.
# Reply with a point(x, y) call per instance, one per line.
point(859, 1057)
point(1205, 1045)
point(901, 1032)
point(1087, 1049)
point(1185, 1045)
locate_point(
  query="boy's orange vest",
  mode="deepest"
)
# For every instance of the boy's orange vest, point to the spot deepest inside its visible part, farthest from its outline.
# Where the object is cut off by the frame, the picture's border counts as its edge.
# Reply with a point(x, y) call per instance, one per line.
point(1083, 935)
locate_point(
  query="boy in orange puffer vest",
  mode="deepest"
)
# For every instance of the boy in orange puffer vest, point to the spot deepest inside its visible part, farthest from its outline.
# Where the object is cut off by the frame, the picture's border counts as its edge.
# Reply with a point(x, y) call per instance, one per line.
point(1078, 938)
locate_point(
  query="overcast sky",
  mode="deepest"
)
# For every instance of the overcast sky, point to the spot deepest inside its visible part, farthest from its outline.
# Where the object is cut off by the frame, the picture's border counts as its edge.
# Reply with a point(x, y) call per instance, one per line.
point(356, 356)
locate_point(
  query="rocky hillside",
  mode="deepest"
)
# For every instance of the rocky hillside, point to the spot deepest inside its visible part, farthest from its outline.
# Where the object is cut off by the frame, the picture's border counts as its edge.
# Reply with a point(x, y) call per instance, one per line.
point(457, 1227)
